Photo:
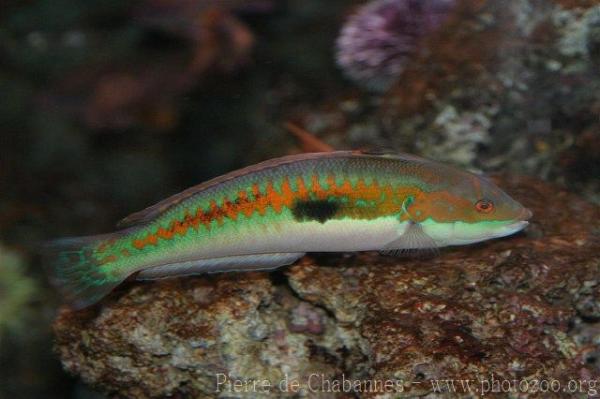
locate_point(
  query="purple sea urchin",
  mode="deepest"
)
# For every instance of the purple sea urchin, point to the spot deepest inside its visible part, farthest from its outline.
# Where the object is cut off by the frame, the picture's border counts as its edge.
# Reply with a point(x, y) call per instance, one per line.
point(376, 43)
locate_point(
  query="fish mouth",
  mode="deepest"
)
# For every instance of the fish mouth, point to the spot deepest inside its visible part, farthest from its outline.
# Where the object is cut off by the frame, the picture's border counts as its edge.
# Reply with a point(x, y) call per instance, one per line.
point(513, 228)
point(517, 225)
point(525, 215)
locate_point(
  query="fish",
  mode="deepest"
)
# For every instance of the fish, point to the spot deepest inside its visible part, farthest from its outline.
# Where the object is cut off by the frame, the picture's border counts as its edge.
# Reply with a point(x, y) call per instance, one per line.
point(270, 214)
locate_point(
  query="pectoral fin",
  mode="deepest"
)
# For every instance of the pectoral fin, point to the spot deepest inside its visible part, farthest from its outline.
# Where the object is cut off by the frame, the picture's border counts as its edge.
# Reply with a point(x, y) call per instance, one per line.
point(224, 264)
point(413, 242)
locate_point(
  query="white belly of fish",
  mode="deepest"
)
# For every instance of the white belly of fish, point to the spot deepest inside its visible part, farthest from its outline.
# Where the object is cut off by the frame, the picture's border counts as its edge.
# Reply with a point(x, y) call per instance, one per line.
point(332, 236)
point(265, 247)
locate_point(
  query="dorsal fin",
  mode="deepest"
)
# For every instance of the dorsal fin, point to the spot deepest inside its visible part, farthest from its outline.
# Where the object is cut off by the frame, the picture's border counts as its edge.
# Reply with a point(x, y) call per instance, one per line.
point(386, 152)
point(377, 150)
point(151, 212)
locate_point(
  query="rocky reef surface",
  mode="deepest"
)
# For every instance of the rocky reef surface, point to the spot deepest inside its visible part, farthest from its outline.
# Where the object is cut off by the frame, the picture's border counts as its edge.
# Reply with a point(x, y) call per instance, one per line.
point(521, 309)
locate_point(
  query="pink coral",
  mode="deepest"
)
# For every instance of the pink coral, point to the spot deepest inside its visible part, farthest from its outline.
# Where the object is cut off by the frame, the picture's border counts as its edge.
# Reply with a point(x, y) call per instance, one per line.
point(376, 43)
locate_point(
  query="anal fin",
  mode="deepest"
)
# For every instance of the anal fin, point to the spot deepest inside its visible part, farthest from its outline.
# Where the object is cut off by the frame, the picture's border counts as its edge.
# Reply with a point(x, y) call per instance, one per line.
point(223, 264)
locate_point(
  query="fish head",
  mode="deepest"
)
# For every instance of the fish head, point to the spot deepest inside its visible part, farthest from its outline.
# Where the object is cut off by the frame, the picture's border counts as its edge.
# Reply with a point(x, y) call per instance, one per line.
point(471, 209)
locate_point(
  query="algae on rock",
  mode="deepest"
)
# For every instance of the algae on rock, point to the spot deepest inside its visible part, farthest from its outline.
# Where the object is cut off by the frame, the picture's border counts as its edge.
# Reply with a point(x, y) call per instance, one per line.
point(16, 290)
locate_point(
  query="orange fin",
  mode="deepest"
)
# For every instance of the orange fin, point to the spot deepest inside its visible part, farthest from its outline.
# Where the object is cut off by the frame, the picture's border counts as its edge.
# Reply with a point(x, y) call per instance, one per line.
point(308, 141)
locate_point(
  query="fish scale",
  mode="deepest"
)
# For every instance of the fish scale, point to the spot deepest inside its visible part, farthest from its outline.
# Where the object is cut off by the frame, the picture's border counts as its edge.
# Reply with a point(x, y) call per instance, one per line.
point(269, 214)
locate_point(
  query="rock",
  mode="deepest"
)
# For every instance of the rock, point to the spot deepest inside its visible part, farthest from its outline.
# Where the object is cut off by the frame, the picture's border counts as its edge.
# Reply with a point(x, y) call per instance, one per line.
point(518, 309)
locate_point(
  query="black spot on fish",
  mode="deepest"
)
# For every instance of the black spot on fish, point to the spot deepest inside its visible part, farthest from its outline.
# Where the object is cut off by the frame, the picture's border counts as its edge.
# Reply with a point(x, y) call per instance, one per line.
point(319, 210)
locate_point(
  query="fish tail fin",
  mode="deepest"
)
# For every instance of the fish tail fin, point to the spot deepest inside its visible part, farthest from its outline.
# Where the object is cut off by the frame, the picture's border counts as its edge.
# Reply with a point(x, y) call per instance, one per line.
point(75, 271)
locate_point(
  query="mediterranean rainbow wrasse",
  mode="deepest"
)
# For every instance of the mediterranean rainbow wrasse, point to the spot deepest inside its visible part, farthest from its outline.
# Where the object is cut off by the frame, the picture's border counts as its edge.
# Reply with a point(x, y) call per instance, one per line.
point(270, 214)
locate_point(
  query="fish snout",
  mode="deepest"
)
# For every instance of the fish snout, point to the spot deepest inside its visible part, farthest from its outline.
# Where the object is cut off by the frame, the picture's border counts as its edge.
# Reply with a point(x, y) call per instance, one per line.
point(525, 214)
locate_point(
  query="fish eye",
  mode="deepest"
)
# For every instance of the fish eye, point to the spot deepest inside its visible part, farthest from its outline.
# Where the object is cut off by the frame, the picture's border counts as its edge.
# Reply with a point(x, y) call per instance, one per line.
point(484, 206)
